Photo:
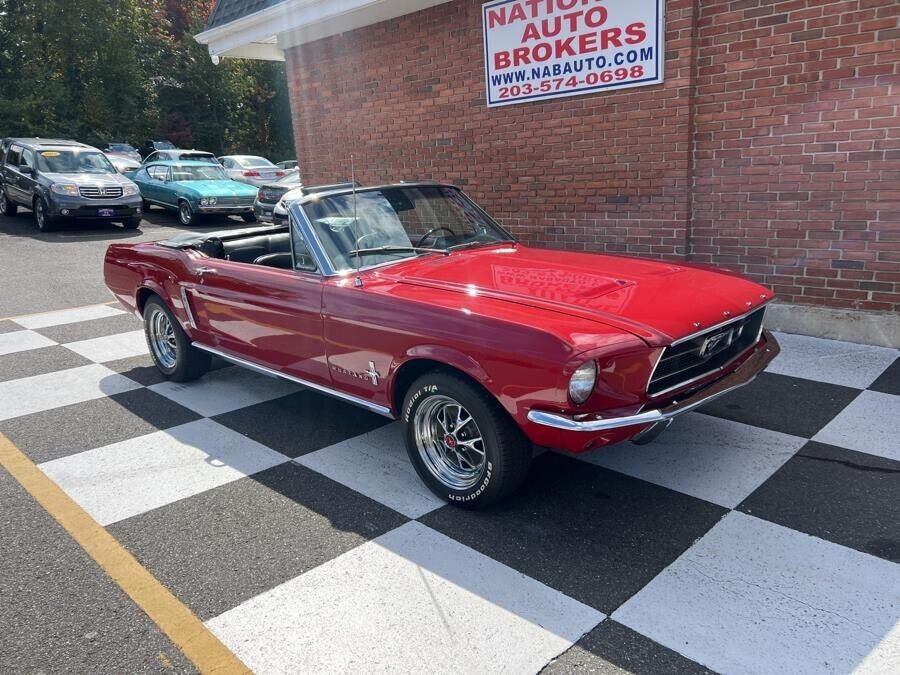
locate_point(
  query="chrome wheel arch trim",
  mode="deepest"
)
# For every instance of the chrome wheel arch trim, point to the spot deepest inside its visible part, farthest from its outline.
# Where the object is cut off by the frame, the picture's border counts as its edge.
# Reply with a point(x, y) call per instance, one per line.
point(329, 391)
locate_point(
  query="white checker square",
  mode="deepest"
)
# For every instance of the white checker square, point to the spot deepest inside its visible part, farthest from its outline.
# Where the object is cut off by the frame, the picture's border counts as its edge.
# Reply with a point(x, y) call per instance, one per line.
point(134, 476)
point(225, 390)
point(111, 347)
point(871, 423)
point(706, 457)
point(833, 361)
point(66, 316)
point(376, 465)
point(412, 600)
point(755, 597)
point(64, 387)
point(22, 340)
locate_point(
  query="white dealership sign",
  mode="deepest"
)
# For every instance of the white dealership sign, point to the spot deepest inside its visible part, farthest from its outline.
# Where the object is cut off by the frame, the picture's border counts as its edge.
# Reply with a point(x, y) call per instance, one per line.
point(541, 49)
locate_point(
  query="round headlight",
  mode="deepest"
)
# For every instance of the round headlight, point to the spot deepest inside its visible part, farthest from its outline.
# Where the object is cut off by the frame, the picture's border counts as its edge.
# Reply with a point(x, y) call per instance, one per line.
point(581, 384)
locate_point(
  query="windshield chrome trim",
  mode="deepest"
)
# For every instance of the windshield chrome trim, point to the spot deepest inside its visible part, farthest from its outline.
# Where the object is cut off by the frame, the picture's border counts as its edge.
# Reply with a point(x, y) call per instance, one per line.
point(296, 212)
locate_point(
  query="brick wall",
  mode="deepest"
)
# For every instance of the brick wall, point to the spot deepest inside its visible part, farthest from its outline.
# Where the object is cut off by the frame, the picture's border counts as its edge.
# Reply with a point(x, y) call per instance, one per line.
point(773, 147)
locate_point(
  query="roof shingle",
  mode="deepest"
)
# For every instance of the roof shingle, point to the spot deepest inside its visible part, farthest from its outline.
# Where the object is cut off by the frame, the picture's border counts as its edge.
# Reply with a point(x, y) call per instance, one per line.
point(227, 11)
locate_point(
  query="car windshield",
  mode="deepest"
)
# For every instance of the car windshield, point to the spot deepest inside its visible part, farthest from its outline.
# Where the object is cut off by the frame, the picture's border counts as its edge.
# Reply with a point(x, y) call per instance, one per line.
point(73, 161)
point(163, 145)
point(255, 162)
point(290, 179)
point(198, 156)
point(182, 172)
point(396, 223)
point(120, 147)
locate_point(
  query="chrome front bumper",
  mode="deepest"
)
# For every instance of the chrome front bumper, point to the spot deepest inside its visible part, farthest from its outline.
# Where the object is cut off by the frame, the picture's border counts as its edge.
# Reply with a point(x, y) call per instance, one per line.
point(743, 374)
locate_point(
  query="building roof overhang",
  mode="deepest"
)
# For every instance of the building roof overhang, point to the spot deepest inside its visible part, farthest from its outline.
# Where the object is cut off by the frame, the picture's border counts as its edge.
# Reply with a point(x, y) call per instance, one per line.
point(267, 33)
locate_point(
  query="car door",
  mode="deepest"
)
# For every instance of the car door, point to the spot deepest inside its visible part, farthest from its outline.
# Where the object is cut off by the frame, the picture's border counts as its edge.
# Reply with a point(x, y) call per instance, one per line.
point(28, 179)
point(266, 315)
point(11, 174)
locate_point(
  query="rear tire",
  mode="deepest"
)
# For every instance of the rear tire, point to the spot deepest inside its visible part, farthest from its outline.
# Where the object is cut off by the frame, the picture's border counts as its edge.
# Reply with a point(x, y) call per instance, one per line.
point(463, 444)
point(7, 208)
point(169, 345)
point(45, 221)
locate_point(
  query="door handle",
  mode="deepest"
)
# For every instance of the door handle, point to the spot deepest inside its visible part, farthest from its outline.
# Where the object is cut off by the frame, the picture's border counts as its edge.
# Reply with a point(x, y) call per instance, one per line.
point(206, 270)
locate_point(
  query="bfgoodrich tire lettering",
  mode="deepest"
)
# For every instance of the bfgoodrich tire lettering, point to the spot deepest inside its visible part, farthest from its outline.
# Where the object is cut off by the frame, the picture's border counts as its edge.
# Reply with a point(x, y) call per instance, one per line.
point(463, 445)
point(170, 347)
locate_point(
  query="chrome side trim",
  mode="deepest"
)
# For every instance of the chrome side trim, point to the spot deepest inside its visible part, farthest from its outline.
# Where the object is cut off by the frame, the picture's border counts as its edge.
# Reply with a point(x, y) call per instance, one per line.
point(720, 325)
point(362, 403)
point(744, 375)
point(187, 308)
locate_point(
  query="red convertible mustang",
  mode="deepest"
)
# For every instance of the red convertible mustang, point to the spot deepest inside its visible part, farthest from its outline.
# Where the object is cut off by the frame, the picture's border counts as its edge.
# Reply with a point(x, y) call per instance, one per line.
point(409, 300)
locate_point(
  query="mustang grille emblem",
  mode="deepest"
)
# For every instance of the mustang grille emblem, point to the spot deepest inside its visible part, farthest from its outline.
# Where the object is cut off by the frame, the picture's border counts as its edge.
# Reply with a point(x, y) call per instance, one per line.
point(716, 343)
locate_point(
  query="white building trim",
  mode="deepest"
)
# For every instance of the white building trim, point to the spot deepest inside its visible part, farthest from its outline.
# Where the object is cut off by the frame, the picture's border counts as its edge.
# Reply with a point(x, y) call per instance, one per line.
point(264, 35)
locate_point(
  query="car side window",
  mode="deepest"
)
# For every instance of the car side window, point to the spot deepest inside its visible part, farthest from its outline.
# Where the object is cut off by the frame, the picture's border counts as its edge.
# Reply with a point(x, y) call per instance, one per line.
point(303, 258)
point(152, 157)
point(14, 156)
point(28, 158)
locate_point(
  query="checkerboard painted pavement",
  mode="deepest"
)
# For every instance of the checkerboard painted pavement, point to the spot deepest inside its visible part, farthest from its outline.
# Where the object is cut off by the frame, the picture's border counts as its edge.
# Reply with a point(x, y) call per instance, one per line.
point(760, 535)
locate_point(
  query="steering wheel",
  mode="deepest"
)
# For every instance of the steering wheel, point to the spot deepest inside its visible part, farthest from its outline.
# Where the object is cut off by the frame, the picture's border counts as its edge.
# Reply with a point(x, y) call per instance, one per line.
point(432, 231)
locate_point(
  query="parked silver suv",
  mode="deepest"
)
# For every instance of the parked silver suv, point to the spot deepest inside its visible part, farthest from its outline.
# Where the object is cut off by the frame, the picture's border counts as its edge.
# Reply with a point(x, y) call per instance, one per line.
point(64, 180)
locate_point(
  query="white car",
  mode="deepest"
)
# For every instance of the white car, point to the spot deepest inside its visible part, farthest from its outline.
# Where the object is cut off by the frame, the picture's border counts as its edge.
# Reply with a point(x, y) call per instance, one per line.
point(256, 171)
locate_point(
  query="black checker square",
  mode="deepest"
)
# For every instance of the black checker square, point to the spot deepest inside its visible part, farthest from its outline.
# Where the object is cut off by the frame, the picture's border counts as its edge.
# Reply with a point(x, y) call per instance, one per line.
point(93, 328)
point(218, 548)
point(7, 326)
point(889, 381)
point(596, 535)
point(61, 432)
point(301, 423)
point(847, 497)
point(791, 405)
point(39, 362)
point(614, 649)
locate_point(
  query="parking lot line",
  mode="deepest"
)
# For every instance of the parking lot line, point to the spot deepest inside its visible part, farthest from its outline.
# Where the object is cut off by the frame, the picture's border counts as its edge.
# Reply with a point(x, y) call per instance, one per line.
point(186, 631)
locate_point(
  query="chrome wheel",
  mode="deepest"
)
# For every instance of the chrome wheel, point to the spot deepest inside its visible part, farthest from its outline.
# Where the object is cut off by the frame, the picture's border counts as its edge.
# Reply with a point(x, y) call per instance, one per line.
point(3, 205)
point(449, 442)
point(39, 214)
point(184, 212)
point(162, 339)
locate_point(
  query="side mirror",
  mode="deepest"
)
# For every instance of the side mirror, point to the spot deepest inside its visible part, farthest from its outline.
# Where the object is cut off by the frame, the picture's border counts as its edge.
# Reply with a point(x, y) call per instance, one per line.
point(24, 168)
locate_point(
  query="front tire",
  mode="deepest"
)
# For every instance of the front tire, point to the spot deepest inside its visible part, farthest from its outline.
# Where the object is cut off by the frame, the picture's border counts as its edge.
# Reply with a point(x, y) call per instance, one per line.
point(248, 217)
point(169, 345)
point(185, 213)
point(131, 223)
point(7, 208)
point(45, 221)
point(463, 445)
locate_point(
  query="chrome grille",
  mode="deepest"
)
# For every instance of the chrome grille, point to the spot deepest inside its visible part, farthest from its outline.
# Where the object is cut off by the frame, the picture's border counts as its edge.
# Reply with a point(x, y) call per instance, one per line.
point(705, 353)
point(100, 191)
point(234, 201)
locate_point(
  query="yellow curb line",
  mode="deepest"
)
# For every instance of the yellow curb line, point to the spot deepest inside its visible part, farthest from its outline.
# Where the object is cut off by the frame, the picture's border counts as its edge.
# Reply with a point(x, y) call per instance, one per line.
point(49, 311)
point(187, 632)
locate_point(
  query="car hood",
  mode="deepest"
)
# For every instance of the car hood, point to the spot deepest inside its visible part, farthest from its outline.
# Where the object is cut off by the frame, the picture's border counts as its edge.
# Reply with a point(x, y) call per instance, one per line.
point(216, 188)
point(658, 302)
point(88, 178)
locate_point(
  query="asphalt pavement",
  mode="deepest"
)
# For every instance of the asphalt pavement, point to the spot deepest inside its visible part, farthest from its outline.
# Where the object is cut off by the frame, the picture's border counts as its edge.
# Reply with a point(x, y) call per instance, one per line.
point(42, 272)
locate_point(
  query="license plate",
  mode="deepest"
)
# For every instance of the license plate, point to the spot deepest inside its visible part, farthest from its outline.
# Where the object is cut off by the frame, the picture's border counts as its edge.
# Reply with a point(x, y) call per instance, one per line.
point(106, 213)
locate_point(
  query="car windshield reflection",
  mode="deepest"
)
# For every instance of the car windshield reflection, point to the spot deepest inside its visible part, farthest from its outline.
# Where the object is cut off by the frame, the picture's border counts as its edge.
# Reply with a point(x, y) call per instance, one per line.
point(382, 225)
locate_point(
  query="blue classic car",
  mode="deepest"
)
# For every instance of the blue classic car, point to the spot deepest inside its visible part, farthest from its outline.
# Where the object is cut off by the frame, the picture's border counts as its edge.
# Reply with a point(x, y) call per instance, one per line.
point(193, 188)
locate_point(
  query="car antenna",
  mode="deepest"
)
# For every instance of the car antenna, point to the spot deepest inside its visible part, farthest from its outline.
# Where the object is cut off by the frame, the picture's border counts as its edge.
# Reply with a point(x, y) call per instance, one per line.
point(358, 282)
